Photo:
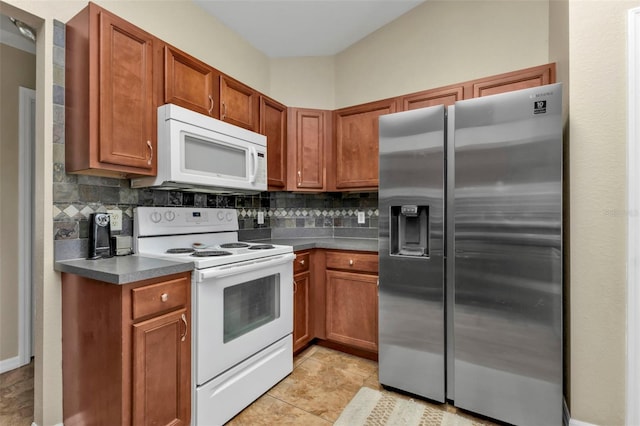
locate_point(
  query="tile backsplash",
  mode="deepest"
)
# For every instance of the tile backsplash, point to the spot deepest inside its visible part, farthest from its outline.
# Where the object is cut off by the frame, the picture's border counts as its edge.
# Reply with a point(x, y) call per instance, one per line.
point(287, 215)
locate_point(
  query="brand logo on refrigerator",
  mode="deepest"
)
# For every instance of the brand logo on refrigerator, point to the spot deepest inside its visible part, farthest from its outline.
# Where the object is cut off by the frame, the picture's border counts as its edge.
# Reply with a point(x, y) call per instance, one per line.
point(540, 107)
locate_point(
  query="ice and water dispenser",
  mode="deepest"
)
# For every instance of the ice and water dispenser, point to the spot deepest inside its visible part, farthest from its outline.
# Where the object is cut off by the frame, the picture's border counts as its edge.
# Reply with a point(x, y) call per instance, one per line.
point(409, 233)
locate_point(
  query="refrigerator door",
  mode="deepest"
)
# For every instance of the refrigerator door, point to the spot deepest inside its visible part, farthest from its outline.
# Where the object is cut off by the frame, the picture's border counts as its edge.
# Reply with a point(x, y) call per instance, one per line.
point(411, 252)
point(508, 256)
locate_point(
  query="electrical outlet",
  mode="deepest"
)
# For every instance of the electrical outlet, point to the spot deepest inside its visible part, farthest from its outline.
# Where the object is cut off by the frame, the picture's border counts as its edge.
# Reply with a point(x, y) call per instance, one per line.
point(115, 217)
point(360, 217)
point(260, 218)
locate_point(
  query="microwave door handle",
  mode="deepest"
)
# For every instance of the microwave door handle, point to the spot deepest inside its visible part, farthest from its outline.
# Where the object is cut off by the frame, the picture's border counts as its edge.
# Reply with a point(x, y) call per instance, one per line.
point(253, 155)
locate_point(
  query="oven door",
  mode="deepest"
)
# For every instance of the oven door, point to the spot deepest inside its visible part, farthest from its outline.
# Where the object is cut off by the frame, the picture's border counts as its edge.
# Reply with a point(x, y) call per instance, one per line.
point(241, 308)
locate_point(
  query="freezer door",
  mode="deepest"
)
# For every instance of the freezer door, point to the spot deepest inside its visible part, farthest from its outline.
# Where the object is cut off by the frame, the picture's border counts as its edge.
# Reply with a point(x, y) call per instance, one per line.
point(411, 262)
point(508, 256)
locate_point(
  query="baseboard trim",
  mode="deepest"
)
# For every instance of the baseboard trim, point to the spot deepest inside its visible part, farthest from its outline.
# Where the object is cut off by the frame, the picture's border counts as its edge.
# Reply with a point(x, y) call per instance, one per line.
point(9, 364)
point(567, 420)
point(574, 422)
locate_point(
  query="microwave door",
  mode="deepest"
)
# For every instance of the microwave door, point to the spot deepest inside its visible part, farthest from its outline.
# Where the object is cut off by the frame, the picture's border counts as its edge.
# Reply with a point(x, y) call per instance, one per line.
point(214, 158)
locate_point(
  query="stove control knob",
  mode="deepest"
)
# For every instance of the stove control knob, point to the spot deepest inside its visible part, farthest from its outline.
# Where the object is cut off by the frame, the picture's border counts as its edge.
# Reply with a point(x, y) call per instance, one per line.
point(220, 215)
point(169, 215)
point(155, 217)
point(229, 216)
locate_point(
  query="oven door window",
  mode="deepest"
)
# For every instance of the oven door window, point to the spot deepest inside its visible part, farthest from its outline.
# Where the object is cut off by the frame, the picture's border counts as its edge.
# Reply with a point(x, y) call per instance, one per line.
point(250, 305)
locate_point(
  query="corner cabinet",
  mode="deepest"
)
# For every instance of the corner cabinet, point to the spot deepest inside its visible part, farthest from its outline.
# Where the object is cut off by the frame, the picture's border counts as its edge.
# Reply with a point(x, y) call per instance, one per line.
point(126, 351)
point(308, 144)
point(109, 96)
point(352, 299)
point(356, 144)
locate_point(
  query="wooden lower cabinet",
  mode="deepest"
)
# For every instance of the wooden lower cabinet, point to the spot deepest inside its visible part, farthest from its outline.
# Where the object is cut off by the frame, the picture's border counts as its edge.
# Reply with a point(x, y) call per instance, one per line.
point(351, 286)
point(126, 351)
point(302, 314)
point(161, 370)
point(352, 309)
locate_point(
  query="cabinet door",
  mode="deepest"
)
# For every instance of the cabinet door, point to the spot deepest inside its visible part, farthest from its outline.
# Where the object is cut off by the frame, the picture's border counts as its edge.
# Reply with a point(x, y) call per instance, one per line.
point(161, 370)
point(522, 79)
point(190, 83)
point(127, 116)
point(273, 124)
point(239, 104)
point(356, 144)
point(352, 309)
point(307, 138)
point(442, 96)
point(301, 305)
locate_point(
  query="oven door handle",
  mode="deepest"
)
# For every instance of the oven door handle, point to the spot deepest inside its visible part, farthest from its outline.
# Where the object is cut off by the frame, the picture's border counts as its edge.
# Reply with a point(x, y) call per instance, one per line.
point(241, 267)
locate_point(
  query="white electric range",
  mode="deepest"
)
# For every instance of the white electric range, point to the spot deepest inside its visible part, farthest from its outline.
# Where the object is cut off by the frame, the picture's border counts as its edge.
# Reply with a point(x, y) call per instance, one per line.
point(242, 304)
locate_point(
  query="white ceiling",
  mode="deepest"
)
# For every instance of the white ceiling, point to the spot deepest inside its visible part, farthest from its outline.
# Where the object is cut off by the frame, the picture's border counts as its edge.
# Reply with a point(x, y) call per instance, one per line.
point(288, 28)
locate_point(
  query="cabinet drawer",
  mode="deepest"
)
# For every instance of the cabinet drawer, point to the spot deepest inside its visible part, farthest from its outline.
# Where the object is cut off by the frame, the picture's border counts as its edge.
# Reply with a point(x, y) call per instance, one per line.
point(161, 297)
point(352, 261)
point(301, 263)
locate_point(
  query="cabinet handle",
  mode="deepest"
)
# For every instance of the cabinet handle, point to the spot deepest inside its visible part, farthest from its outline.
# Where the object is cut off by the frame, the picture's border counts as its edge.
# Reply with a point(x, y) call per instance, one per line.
point(299, 178)
point(351, 262)
point(302, 262)
point(295, 287)
point(210, 104)
point(150, 152)
point(164, 297)
point(186, 328)
point(224, 111)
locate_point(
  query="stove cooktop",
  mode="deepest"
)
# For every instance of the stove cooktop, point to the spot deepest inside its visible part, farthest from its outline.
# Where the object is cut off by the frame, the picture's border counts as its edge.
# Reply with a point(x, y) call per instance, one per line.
point(207, 237)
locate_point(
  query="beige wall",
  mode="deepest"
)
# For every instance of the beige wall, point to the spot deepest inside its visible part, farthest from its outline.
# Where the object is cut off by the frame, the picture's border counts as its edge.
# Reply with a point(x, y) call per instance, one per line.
point(443, 42)
point(597, 34)
point(17, 68)
point(493, 37)
point(304, 82)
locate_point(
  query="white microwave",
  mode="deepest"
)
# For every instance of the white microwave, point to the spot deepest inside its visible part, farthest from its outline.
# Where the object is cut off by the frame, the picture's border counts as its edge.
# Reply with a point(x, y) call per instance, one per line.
point(200, 153)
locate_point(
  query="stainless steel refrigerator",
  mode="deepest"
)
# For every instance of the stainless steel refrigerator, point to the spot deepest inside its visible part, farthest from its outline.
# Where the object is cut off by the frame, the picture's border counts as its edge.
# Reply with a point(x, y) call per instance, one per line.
point(470, 254)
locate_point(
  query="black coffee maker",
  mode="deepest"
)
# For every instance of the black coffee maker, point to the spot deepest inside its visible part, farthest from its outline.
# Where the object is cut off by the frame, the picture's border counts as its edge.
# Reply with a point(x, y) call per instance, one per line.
point(99, 236)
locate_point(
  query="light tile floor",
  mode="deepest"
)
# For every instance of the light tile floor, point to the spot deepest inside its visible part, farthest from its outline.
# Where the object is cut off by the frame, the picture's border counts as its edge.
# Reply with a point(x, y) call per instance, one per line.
point(321, 385)
point(315, 393)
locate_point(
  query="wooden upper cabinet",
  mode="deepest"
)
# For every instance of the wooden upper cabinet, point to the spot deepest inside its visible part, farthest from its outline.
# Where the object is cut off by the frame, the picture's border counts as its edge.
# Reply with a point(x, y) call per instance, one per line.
point(239, 104)
point(190, 83)
point(308, 132)
point(356, 144)
point(442, 96)
point(273, 124)
point(516, 80)
point(110, 110)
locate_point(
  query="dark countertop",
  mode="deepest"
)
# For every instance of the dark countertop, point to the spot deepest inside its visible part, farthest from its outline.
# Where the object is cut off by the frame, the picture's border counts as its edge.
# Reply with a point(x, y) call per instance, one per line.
point(128, 269)
point(122, 269)
point(355, 244)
